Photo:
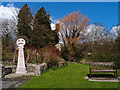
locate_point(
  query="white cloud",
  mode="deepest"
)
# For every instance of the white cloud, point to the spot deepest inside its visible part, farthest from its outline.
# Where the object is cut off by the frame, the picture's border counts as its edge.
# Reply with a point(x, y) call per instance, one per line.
point(115, 30)
point(10, 5)
point(92, 32)
point(53, 27)
point(8, 12)
point(53, 23)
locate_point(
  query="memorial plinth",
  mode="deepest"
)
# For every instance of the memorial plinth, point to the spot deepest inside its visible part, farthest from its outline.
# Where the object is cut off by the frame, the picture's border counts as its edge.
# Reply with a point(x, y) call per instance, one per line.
point(21, 60)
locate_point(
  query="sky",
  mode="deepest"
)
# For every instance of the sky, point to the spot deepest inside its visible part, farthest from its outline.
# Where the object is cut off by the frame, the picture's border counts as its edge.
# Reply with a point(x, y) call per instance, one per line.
point(105, 13)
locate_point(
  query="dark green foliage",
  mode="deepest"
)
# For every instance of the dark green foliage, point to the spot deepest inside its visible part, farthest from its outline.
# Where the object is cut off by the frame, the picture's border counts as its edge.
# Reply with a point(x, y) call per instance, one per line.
point(106, 58)
point(117, 42)
point(108, 52)
point(68, 53)
point(7, 55)
point(73, 52)
point(25, 22)
point(7, 47)
point(65, 53)
point(8, 43)
point(43, 35)
point(52, 64)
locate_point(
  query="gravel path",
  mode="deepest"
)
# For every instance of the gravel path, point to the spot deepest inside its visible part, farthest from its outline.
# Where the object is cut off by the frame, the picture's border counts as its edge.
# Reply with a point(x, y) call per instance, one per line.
point(13, 82)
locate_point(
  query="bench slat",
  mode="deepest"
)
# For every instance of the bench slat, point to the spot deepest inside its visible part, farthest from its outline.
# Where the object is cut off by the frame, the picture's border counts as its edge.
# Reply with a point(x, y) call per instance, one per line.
point(101, 63)
point(102, 67)
point(103, 71)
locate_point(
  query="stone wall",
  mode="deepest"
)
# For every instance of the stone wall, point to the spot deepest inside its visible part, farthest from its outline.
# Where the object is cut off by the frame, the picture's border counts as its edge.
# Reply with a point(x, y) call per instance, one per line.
point(11, 66)
point(36, 69)
point(62, 63)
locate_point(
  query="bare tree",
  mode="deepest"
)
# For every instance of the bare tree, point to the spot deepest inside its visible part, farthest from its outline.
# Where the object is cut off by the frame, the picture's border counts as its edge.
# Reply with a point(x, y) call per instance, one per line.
point(9, 26)
point(70, 29)
point(71, 26)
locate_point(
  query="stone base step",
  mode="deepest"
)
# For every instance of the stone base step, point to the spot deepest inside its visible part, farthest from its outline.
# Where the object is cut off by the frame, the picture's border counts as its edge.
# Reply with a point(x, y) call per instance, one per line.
point(12, 75)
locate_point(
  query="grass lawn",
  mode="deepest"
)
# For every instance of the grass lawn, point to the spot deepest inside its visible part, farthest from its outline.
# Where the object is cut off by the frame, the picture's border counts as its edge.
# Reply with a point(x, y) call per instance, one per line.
point(71, 76)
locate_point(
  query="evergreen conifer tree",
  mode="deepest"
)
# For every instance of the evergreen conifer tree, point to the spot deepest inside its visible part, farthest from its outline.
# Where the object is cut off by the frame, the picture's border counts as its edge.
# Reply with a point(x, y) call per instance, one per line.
point(25, 22)
point(43, 35)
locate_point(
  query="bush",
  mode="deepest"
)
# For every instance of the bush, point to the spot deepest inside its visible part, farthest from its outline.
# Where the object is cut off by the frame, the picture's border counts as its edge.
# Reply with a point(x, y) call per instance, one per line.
point(62, 63)
point(51, 56)
point(7, 55)
point(33, 55)
point(106, 58)
point(52, 63)
point(73, 53)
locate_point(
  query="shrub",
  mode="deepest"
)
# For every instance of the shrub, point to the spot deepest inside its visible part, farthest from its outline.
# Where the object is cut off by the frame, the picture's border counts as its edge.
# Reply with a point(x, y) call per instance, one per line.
point(106, 58)
point(51, 56)
point(33, 55)
point(67, 53)
point(73, 53)
point(7, 55)
point(62, 63)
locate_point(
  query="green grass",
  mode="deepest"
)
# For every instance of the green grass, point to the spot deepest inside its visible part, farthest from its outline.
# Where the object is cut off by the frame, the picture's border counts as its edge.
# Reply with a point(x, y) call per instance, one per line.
point(71, 76)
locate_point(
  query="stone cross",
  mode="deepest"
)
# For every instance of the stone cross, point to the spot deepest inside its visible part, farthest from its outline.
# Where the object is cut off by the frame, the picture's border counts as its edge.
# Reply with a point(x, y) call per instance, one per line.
point(21, 61)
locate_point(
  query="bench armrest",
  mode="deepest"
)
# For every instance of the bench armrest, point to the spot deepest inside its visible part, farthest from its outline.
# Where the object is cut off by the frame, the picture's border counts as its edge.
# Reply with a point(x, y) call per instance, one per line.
point(116, 68)
point(90, 67)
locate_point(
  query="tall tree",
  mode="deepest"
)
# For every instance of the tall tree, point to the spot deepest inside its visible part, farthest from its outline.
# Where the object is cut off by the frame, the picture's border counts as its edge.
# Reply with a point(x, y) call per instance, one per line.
point(43, 35)
point(72, 26)
point(24, 25)
point(70, 29)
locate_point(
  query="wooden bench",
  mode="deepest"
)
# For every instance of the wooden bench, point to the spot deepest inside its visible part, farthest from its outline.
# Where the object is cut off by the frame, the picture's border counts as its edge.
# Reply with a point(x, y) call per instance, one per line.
point(102, 67)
